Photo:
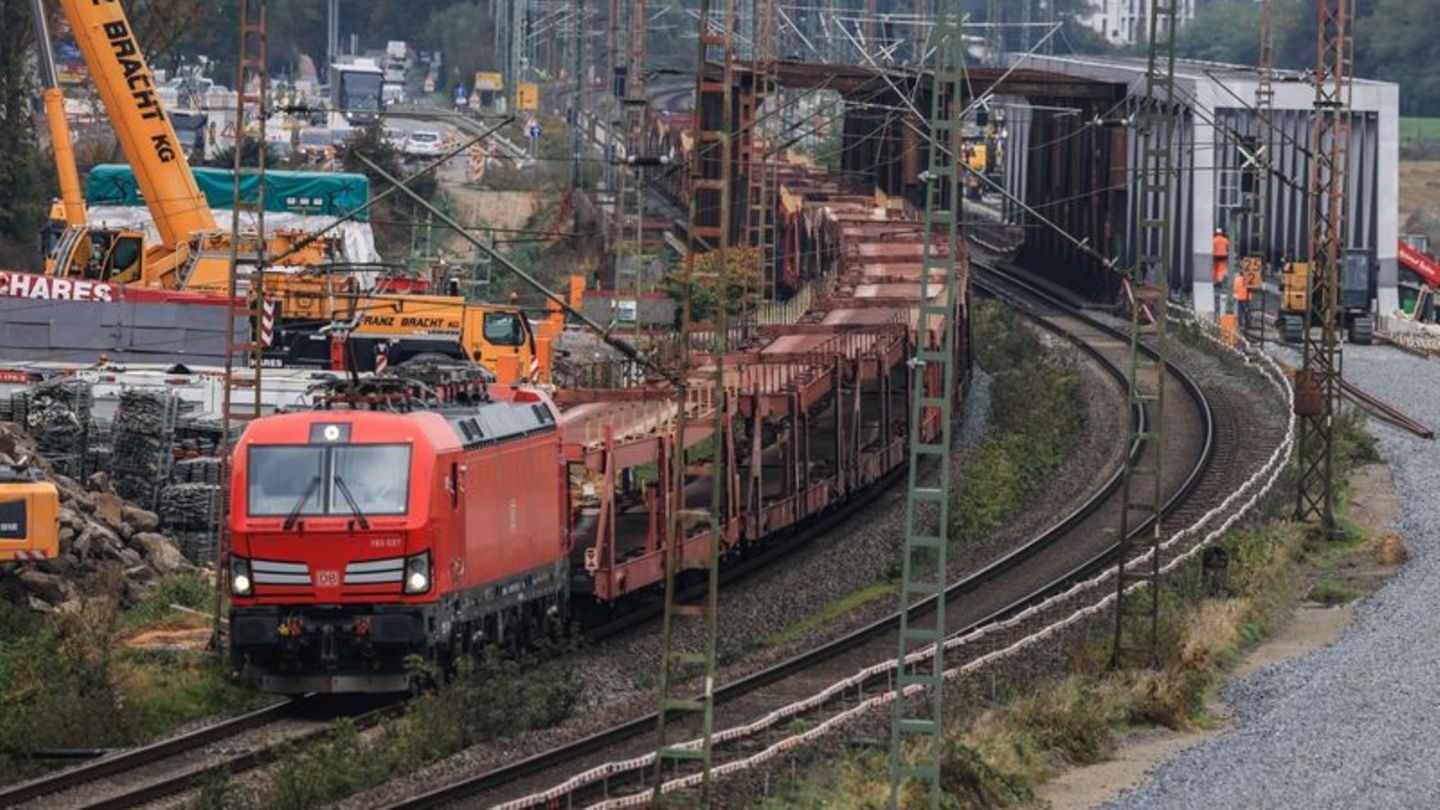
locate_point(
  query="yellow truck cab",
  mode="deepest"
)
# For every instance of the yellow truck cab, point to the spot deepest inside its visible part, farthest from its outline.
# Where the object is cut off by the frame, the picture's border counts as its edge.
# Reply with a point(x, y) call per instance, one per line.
point(414, 327)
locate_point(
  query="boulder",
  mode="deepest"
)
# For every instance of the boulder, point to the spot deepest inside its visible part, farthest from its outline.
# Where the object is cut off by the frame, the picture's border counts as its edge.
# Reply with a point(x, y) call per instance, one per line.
point(72, 520)
point(129, 557)
point(98, 543)
point(142, 520)
point(110, 509)
point(100, 482)
point(160, 552)
point(50, 588)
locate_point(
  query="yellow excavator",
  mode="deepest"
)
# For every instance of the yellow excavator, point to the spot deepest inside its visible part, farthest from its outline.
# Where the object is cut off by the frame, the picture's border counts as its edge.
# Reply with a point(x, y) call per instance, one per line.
point(29, 516)
point(193, 253)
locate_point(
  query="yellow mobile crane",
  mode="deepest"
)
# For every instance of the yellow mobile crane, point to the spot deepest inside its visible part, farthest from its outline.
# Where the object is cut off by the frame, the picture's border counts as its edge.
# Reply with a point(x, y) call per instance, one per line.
point(193, 253)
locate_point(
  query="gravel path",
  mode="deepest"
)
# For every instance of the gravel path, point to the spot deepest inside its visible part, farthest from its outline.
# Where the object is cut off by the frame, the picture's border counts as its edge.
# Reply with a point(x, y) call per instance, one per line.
point(1352, 725)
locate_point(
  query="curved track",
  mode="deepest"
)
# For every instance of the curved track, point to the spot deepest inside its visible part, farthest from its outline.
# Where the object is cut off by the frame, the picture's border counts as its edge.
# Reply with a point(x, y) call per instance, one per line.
point(1071, 550)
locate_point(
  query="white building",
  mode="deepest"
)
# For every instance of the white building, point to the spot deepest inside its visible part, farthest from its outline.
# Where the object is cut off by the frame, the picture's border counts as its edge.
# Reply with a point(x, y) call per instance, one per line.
point(1217, 131)
point(1124, 22)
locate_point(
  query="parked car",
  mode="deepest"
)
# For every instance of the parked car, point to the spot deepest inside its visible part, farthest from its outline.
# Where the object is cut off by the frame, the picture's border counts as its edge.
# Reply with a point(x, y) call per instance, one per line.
point(394, 138)
point(424, 143)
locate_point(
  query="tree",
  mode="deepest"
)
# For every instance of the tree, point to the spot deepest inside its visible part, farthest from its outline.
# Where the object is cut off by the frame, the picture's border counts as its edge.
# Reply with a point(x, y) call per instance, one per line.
point(740, 283)
point(22, 170)
point(391, 217)
point(465, 35)
point(1224, 32)
point(1396, 40)
point(1399, 41)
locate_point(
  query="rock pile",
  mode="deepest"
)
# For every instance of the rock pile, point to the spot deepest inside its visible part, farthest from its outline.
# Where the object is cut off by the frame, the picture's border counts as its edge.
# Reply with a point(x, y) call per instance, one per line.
point(107, 544)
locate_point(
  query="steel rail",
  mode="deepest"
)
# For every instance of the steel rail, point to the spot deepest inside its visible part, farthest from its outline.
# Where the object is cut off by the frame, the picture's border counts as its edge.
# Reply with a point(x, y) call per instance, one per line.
point(122, 761)
point(246, 761)
point(537, 763)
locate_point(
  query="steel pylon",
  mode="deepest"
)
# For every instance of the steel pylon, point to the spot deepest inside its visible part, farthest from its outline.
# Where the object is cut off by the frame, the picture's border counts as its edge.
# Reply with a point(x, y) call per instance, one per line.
point(761, 163)
point(711, 172)
point(1317, 382)
point(1137, 611)
point(630, 202)
point(249, 321)
point(1259, 242)
point(917, 740)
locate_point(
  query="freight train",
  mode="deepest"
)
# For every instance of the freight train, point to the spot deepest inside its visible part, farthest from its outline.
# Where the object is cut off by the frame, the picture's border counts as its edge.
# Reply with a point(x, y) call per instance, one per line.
point(396, 520)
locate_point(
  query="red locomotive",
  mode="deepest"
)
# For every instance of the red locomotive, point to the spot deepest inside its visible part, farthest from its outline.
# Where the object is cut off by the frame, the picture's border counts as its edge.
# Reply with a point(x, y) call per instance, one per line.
point(360, 537)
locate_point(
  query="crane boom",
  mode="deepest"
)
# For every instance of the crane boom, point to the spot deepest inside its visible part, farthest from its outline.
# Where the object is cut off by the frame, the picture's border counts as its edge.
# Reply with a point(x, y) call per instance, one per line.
point(127, 88)
point(70, 196)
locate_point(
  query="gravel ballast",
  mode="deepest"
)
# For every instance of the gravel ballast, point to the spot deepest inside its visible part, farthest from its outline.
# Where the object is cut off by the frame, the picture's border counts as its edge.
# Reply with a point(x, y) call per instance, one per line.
point(1351, 725)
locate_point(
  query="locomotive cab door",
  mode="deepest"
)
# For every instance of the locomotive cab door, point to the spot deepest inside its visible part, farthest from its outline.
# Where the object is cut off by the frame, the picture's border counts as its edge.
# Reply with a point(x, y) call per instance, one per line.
point(456, 521)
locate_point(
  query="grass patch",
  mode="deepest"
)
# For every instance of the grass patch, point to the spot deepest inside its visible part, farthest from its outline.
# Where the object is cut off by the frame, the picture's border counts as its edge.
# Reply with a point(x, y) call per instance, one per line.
point(485, 698)
point(1037, 415)
point(194, 590)
point(68, 682)
point(1331, 593)
point(1420, 129)
point(830, 612)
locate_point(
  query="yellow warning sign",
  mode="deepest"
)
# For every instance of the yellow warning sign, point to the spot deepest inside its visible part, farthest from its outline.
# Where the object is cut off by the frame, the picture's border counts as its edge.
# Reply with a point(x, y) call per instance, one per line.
point(527, 96)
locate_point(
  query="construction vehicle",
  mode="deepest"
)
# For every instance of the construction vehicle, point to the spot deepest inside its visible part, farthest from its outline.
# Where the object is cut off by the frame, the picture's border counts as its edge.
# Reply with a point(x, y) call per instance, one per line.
point(1356, 292)
point(29, 516)
point(1413, 258)
point(406, 327)
point(193, 253)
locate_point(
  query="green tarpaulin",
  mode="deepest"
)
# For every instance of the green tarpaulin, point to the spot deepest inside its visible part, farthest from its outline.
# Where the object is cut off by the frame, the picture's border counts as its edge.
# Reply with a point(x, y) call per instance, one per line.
point(319, 193)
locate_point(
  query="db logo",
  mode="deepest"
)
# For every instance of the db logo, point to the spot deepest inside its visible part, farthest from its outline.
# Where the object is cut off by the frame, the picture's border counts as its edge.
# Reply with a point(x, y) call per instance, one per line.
point(327, 579)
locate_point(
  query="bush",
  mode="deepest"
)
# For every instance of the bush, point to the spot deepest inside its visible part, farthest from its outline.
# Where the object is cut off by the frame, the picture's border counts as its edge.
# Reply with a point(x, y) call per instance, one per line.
point(69, 683)
point(485, 698)
point(1037, 414)
point(62, 684)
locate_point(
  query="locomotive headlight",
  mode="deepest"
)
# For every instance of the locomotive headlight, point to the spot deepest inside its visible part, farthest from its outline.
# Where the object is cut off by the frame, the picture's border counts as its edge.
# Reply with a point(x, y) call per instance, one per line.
point(417, 573)
point(240, 581)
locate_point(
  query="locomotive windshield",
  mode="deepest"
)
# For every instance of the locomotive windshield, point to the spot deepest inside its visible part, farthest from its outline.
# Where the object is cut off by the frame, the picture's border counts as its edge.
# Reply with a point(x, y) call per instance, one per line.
point(339, 480)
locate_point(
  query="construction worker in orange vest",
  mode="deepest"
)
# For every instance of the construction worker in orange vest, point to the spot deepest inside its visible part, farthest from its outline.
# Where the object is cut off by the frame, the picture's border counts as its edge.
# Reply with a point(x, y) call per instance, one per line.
point(1221, 248)
point(1242, 301)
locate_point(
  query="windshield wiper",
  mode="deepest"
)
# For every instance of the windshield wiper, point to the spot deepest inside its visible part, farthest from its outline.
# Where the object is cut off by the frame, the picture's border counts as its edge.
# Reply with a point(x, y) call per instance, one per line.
point(350, 499)
point(295, 512)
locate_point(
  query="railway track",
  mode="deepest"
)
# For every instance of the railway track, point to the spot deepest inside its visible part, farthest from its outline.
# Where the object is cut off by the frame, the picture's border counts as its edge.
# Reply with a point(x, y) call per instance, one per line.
point(614, 764)
point(173, 765)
